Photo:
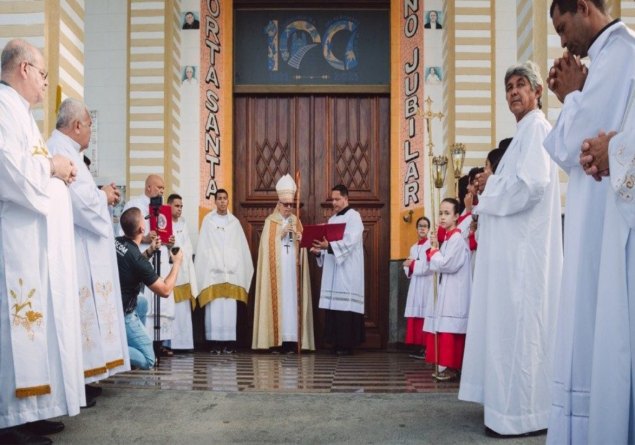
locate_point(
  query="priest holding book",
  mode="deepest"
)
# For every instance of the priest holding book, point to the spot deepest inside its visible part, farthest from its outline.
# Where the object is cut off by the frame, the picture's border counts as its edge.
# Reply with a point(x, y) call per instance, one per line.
point(276, 300)
point(342, 290)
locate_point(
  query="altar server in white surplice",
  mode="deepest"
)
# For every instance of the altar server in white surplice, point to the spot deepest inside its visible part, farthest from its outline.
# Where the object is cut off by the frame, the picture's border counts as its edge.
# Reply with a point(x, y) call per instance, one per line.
point(612, 415)
point(342, 288)
point(105, 349)
point(154, 187)
point(508, 356)
point(592, 101)
point(40, 342)
point(224, 270)
point(186, 288)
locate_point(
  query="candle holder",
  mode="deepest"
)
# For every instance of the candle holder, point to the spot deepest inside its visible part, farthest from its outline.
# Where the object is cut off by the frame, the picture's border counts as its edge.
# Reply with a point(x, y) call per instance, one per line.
point(440, 164)
point(457, 152)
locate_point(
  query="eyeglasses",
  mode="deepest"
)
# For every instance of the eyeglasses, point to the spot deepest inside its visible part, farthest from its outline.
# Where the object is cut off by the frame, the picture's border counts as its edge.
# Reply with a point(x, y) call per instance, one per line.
point(43, 73)
point(288, 205)
point(423, 227)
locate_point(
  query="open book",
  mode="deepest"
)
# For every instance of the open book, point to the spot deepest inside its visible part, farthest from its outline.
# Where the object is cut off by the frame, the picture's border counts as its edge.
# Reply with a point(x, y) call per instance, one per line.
point(332, 232)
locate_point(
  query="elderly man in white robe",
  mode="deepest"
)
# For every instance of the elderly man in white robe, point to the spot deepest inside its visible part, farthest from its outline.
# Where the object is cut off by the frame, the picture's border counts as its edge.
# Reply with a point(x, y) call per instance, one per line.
point(40, 343)
point(276, 322)
point(154, 187)
point(593, 100)
point(342, 288)
point(510, 335)
point(224, 269)
point(611, 415)
point(104, 345)
point(186, 289)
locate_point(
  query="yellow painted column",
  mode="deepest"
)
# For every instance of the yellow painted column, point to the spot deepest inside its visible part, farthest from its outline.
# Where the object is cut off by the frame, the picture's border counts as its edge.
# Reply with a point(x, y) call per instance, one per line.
point(216, 143)
point(407, 176)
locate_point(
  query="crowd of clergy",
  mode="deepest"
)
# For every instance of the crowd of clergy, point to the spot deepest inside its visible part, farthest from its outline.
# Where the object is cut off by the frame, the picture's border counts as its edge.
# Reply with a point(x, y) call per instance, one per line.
point(80, 304)
point(534, 316)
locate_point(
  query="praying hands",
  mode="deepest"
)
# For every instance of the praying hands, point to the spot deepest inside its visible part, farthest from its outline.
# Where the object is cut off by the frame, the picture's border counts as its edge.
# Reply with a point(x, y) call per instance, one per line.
point(566, 75)
point(594, 155)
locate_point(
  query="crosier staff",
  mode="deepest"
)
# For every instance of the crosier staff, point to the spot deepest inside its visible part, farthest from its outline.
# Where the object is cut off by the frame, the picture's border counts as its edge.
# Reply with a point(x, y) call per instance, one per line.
point(298, 259)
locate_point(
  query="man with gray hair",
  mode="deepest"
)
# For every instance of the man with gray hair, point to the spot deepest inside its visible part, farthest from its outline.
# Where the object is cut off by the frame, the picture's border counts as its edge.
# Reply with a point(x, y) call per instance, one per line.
point(40, 343)
point(510, 333)
point(105, 350)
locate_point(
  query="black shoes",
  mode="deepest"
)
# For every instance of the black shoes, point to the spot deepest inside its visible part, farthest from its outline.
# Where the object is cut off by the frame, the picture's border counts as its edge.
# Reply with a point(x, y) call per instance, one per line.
point(491, 433)
point(18, 436)
point(92, 391)
point(42, 427)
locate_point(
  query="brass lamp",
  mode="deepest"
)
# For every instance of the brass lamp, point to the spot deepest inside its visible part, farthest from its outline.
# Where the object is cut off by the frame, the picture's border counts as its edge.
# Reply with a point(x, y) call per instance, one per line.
point(440, 167)
point(458, 157)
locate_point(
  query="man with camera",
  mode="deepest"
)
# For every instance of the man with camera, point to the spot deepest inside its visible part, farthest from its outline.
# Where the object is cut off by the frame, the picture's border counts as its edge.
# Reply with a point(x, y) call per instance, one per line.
point(135, 270)
point(152, 198)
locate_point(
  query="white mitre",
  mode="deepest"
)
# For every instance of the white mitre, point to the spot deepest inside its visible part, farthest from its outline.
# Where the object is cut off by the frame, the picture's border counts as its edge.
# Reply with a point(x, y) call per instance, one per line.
point(285, 187)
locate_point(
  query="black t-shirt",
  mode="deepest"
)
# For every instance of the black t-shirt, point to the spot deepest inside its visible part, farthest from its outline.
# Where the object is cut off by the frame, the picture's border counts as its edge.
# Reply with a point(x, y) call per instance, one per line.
point(134, 269)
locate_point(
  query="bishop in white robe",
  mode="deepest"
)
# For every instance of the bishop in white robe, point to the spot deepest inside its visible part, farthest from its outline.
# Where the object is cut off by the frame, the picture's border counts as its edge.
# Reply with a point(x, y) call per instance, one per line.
point(510, 336)
point(599, 105)
point(104, 345)
point(186, 289)
point(224, 269)
point(276, 298)
point(40, 345)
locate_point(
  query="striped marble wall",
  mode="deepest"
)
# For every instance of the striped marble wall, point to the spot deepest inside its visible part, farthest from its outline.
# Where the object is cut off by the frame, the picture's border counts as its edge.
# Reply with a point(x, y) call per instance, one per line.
point(71, 48)
point(151, 100)
point(470, 94)
point(173, 107)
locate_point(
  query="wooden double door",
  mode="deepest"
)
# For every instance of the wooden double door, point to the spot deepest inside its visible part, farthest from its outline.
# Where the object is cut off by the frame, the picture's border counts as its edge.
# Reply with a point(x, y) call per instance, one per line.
point(329, 139)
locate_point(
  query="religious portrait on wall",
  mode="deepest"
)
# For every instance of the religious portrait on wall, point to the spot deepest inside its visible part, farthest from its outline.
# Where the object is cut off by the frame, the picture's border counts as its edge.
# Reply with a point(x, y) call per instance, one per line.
point(190, 20)
point(189, 84)
point(434, 19)
point(433, 75)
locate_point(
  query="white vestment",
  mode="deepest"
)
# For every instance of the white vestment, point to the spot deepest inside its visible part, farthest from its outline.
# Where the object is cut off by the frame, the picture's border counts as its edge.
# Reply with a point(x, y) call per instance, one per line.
point(599, 106)
point(39, 308)
point(507, 364)
point(224, 270)
point(342, 287)
point(185, 291)
point(105, 349)
point(612, 411)
point(454, 275)
point(421, 289)
point(166, 309)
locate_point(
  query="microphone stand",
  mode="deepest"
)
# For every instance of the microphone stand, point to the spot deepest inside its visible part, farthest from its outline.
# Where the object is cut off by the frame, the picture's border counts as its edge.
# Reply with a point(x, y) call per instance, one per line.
point(156, 262)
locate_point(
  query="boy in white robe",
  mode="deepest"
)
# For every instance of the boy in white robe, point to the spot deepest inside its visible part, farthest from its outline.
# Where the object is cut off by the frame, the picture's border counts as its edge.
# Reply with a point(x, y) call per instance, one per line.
point(342, 289)
point(420, 290)
point(224, 270)
point(448, 323)
point(186, 289)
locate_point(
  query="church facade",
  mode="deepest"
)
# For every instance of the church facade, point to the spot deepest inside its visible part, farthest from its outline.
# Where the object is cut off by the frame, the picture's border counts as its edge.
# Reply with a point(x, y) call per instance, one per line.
point(234, 94)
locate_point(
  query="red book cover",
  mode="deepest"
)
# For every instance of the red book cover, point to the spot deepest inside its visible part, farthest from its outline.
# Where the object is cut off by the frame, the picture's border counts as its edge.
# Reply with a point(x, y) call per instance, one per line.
point(332, 232)
point(162, 223)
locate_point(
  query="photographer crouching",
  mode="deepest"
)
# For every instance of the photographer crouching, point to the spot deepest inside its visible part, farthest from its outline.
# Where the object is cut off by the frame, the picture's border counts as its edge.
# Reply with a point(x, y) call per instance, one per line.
point(135, 270)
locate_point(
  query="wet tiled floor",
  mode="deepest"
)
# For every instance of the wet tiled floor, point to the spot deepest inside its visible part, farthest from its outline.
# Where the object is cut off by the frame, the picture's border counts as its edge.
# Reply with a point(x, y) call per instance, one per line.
point(367, 372)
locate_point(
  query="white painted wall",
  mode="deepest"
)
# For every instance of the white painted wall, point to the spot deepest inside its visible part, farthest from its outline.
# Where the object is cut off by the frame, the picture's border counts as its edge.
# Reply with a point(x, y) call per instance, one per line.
point(105, 83)
point(505, 57)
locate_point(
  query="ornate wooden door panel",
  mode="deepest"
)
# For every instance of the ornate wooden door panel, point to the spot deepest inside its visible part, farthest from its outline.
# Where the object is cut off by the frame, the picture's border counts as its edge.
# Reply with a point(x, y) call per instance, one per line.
point(331, 140)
